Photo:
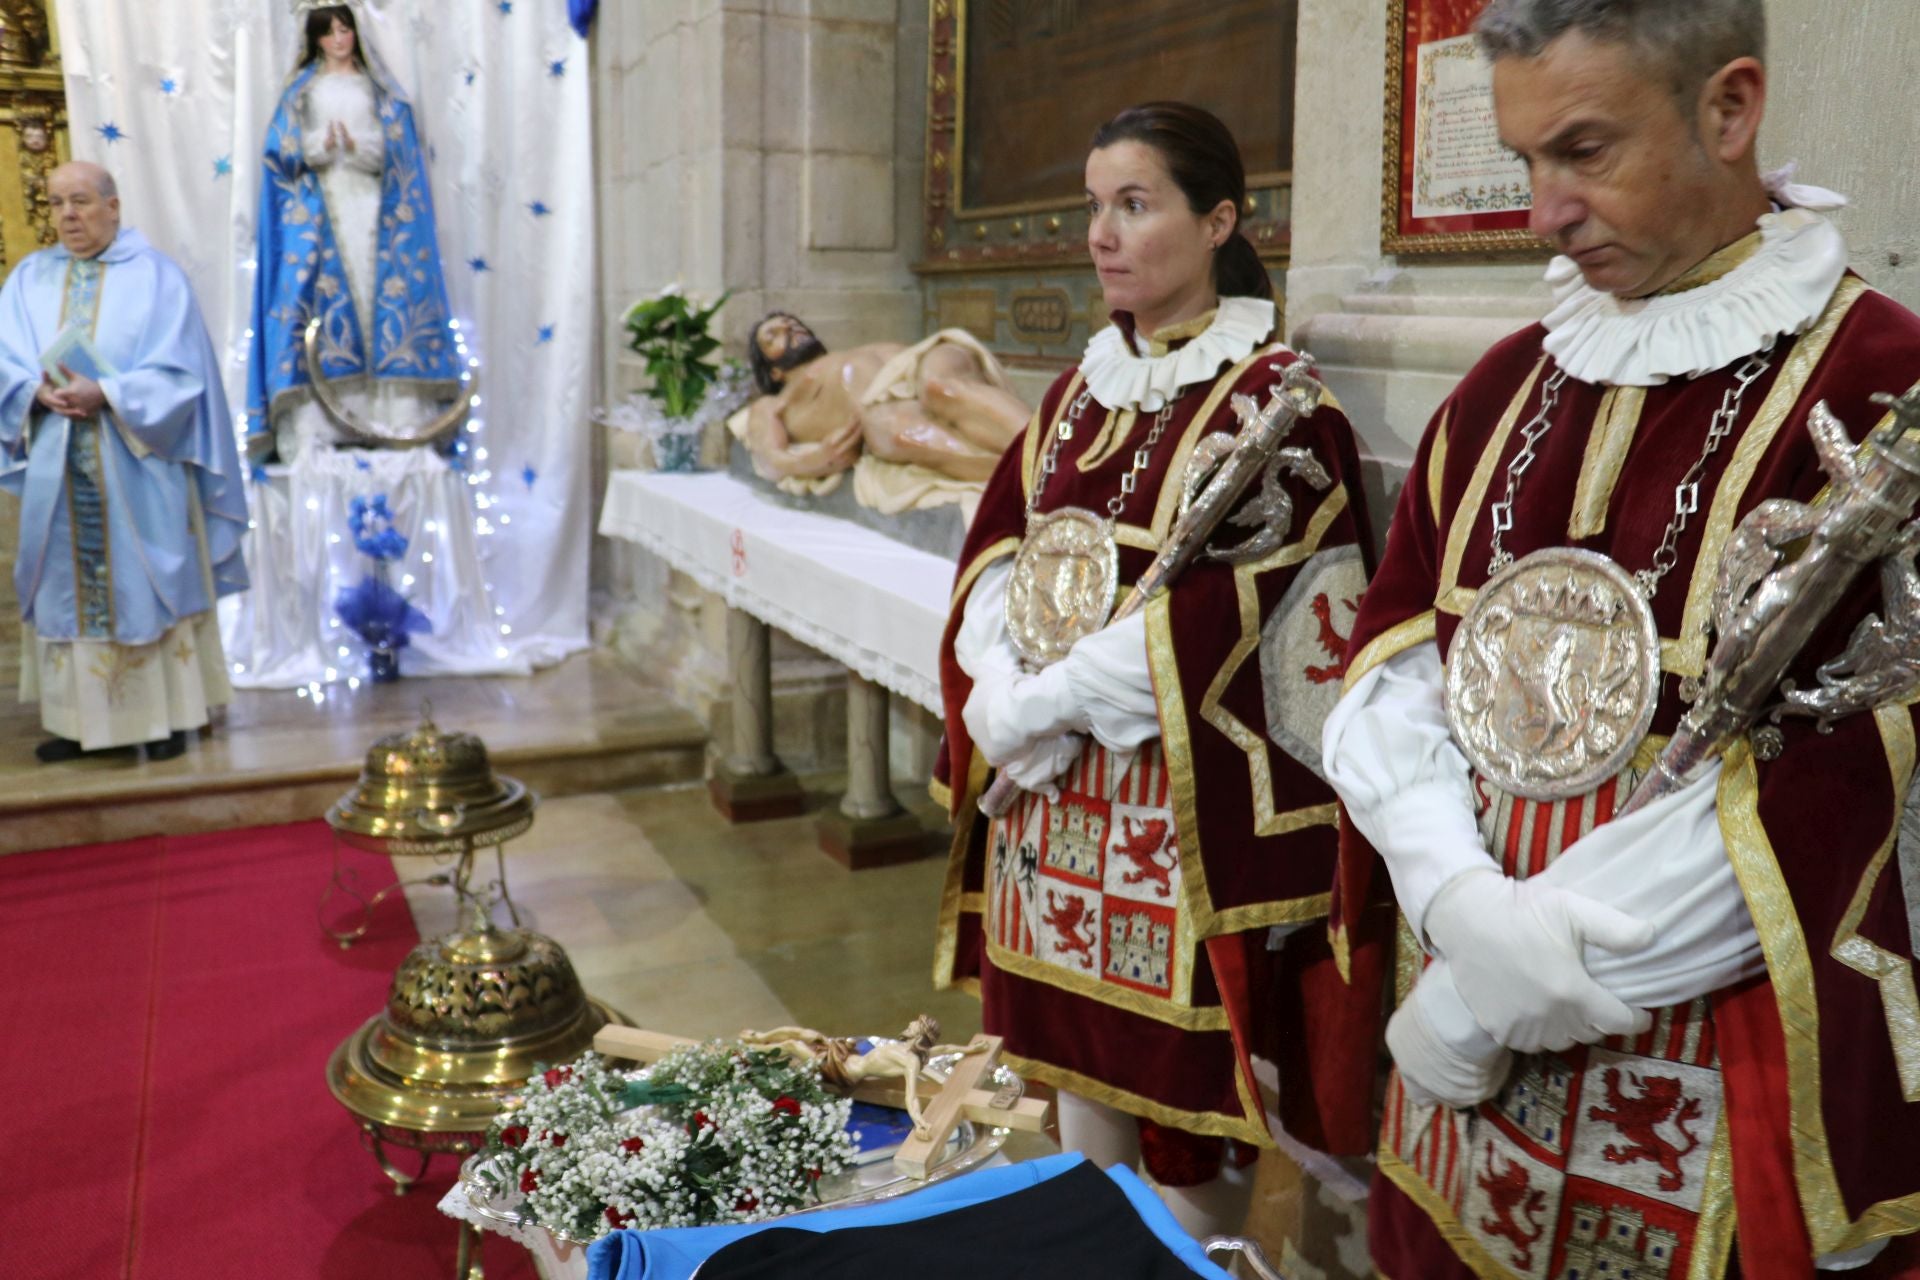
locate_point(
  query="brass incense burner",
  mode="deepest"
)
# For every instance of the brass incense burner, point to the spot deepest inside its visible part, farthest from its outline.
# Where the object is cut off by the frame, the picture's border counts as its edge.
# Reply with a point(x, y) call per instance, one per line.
point(471, 1015)
point(426, 794)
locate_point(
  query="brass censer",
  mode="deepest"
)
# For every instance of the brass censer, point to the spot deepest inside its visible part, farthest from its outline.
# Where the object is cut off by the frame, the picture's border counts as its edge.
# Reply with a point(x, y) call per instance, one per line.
point(470, 1015)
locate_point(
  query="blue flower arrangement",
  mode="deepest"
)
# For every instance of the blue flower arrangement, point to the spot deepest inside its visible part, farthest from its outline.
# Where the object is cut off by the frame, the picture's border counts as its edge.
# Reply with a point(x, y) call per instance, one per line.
point(378, 614)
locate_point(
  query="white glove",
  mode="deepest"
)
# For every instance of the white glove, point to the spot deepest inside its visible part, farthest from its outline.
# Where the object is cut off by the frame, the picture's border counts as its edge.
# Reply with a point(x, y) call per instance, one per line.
point(1444, 1057)
point(1514, 947)
point(1039, 767)
point(1006, 717)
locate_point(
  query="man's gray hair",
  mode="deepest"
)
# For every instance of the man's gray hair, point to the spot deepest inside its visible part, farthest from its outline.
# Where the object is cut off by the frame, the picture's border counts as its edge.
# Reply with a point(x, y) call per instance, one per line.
point(1691, 39)
point(106, 186)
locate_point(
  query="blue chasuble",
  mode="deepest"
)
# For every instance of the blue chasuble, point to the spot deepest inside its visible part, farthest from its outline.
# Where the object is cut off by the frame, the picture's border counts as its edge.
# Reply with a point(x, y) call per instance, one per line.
point(132, 520)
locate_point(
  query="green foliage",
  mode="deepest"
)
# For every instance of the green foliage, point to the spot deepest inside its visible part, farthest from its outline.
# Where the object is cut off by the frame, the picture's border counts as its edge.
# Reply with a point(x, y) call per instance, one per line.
point(670, 334)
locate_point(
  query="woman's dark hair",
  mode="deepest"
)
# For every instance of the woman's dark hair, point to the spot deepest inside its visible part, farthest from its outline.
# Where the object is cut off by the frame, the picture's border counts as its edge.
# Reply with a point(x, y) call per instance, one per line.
point(320, 22)
point(1204, 160)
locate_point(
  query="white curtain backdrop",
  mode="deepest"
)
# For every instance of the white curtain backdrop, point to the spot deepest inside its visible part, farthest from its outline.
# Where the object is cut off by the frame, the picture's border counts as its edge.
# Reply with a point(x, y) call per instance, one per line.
point(175, 97)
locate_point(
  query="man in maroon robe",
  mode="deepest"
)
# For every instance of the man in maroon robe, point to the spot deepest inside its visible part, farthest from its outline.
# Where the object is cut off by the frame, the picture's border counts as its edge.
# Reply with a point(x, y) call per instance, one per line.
point(1686, 1043)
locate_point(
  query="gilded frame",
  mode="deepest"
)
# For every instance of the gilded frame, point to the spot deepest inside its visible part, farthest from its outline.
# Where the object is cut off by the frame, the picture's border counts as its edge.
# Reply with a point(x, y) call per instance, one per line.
point(1478, 233)
point(1045, 234)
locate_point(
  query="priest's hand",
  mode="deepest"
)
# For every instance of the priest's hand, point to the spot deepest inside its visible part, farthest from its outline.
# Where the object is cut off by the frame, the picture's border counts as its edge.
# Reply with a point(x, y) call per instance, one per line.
point(1515, 951)
point(1445, 1057)
point(80, 398)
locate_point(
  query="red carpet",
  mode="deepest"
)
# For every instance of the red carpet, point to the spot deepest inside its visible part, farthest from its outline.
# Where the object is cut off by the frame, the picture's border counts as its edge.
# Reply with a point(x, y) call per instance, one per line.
point(164, 1033)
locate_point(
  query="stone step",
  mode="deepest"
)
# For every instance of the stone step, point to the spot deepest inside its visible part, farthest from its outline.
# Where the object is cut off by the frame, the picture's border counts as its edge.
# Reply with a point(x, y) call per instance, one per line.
point(588, 725)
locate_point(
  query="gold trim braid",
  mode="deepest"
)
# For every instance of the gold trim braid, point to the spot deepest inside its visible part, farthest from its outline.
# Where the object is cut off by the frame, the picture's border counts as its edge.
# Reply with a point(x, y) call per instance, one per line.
point(1207, 1123)
point(1784, 944)
point(1391, 643)
point(1894, 973)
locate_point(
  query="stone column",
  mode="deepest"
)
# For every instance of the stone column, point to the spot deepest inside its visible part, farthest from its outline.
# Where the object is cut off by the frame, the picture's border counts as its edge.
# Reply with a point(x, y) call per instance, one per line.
point(749, 784)
point(870, 829)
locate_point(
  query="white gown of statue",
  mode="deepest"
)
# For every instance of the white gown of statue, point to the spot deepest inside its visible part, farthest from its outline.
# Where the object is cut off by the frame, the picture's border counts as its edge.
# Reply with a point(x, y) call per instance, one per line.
point(350, 182)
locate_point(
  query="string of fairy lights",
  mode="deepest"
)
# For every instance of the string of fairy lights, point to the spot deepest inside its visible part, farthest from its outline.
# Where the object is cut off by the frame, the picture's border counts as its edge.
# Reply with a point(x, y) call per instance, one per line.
point(467, 456)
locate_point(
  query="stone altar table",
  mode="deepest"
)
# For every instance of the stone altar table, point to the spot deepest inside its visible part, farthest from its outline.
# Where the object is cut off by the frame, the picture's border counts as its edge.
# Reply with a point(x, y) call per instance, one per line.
point(873, 604)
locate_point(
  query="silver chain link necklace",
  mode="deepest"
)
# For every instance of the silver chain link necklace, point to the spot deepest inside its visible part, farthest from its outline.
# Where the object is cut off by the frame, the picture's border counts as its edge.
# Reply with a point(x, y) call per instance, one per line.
point(1067, 574)
point(1554, 673)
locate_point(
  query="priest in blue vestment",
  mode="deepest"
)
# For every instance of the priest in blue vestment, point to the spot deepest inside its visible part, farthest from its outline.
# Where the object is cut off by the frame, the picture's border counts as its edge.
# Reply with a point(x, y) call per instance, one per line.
point(115, 435)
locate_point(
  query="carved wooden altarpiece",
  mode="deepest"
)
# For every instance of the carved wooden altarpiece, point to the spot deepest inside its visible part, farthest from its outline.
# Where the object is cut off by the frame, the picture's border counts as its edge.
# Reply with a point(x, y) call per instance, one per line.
point(33, 140)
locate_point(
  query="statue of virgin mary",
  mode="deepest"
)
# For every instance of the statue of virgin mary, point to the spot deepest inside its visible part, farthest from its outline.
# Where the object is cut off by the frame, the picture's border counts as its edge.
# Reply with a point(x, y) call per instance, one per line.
point(346, 234)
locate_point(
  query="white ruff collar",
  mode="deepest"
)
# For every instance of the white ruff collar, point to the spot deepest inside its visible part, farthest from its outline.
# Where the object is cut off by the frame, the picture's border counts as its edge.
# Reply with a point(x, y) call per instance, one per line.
point(1119, 379)
point(1642, 342)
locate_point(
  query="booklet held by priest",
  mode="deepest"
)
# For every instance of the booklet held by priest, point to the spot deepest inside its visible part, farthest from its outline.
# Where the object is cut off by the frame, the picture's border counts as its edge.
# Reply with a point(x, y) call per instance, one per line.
point(74, 349)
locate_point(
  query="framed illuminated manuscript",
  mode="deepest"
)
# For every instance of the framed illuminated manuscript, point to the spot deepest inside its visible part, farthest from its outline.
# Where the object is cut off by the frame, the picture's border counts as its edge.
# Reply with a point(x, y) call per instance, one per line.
point(1448, 186)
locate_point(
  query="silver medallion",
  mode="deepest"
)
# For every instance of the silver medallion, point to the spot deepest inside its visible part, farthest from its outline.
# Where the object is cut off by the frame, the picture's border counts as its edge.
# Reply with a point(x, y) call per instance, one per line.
point(1063, 584)
point(1553, 675)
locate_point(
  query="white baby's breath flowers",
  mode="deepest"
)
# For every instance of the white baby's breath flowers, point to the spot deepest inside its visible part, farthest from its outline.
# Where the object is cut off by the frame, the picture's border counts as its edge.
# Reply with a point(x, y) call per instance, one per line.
point(732, 1135)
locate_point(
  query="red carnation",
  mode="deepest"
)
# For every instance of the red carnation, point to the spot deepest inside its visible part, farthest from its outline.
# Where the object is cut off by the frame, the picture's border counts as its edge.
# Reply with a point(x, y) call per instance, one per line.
point(786, 1105)
point(633, 1146)
point(513, 1135)
point(617, 1218)
point(813, 1175)
point(559, 1139)
point(700, 1120)
point(529, 1179)
point(746, 1204)
point(557, 1076)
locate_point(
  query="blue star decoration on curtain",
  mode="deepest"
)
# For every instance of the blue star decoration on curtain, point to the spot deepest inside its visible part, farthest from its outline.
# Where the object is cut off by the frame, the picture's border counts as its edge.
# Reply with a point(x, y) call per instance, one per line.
point(479, 265)
point(539, 209)
point(546, 334)
point(470, 76)
point(580, 13)
point(222, 166)
point(528, 474)
point(169, 86)
point(505, 6)
point(557, 68)
point(110, 131)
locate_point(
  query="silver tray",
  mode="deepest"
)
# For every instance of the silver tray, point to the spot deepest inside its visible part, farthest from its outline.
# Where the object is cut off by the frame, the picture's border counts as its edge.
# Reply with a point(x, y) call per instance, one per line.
point(872, 1177)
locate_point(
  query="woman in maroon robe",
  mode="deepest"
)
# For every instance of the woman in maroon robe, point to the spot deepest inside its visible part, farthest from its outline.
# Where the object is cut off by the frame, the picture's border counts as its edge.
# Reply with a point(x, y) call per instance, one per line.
point(1121, 921)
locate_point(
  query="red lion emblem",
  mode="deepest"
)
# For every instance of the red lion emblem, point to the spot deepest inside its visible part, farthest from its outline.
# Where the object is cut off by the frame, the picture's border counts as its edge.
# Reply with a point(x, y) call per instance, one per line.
point(1331, 640)
point(1143, 848)
point(1516, 1207)
point(1069, 918)
point(1638, 1118)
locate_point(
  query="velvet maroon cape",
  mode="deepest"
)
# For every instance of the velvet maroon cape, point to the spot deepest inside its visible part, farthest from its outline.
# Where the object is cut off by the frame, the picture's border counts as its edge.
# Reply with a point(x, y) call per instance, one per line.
point(1821, 1071)
point(1236, 881)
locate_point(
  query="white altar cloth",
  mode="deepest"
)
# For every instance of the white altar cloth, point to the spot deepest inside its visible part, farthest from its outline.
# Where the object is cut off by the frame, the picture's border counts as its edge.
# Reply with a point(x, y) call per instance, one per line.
point(873, 604)
point(285, 632)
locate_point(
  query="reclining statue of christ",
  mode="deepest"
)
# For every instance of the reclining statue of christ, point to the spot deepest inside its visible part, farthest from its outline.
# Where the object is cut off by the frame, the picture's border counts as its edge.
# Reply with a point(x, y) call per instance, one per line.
point(919, 425)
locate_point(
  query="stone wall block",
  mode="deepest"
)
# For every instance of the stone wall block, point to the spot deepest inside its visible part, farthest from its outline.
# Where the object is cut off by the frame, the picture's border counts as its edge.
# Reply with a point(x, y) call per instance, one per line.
point(782, 81)
point(744, 177)
point(784, 219)
point(870, 11)
point(850, 202)
point(850, 102)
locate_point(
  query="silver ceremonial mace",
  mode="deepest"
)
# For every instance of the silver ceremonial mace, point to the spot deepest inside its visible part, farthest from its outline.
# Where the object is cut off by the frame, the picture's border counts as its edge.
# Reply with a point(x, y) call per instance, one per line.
point(1764, 612)
point(1256, 450)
